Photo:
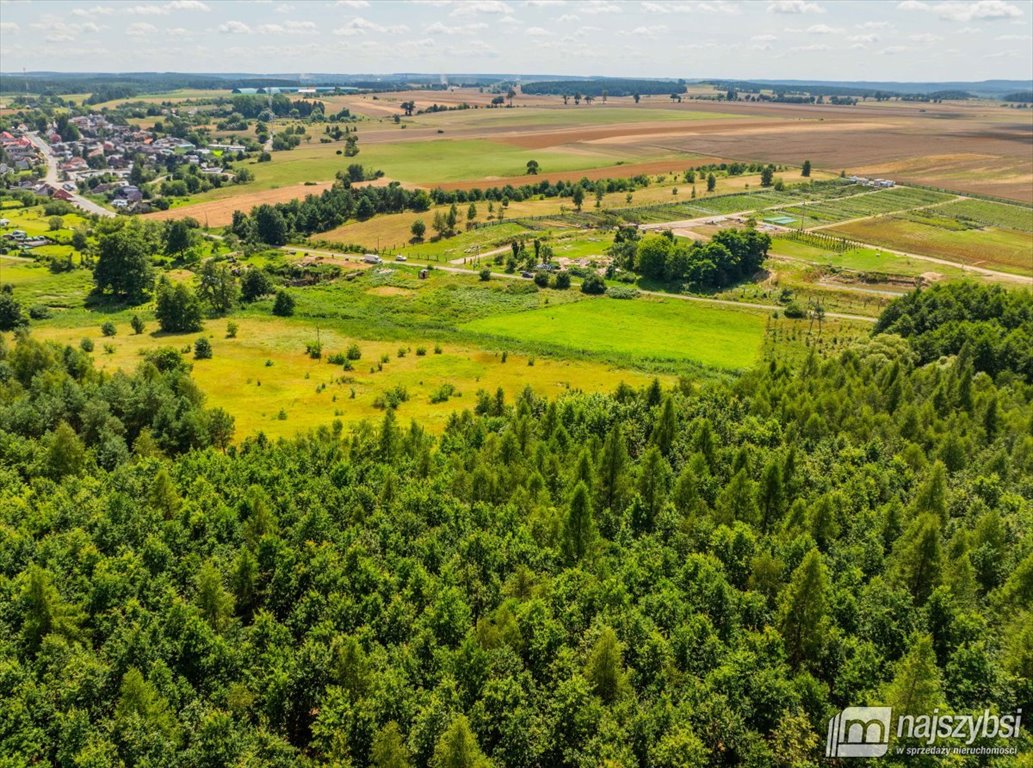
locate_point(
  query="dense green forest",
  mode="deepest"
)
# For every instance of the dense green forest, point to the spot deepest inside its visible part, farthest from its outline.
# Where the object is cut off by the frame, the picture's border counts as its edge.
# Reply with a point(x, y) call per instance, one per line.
point(656, 578)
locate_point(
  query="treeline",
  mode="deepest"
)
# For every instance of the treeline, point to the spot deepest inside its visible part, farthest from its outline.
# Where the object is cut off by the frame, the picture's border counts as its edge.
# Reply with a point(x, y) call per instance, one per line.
point(731, 255)
point(253, 105)
point(274, 224)
point(694, 577)
point(988, 325)
point(604, 87)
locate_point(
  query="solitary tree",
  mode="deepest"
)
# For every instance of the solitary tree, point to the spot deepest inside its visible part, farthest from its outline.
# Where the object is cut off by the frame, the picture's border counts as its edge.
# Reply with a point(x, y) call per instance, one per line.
point(806, 170)
point(178, 309)
point(578, 196)
point(711, 182)
point(532, 167)
point(123, 266)
point(284, 304)
point(767, 175)
point(418, 230)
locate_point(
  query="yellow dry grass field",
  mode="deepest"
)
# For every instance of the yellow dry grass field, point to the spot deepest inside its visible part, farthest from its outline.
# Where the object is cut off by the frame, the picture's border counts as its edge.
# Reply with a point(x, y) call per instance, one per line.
point(267, 382)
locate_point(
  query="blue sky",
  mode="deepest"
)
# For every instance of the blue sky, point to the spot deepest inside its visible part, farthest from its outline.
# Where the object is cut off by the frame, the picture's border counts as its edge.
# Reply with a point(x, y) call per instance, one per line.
point(807, 39)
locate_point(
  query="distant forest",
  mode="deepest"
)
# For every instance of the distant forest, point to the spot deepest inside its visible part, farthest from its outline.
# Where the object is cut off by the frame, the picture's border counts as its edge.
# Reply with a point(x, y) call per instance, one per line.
point(605, 86)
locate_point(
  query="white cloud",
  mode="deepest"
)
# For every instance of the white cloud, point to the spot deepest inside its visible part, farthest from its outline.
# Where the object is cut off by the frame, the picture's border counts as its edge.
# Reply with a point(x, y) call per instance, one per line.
point(438, 28)
point(545, 3)
point(823, 29)
point(924, 37)
point(353, 3)
point(763, 38)
point(9, 26)
point(957, 11)
point(794, 6)
point(360, 26)
point(650, 31)
point(863, 39)
point(598, 6)
point(141, 28)
point(481, 6)
point(537, 32)
point(875, 25)
point(288, 28)
point(1014, 37)
point(285, 8)
point(97, 10)
point(893, 50)
point(235, 28)
point(568, 18)
point(817, 47)
point(57, 30)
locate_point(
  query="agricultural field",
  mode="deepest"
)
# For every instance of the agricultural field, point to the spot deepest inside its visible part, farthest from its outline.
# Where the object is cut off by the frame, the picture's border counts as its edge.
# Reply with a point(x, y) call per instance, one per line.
point(644, 329)
point(865, 260)
point(990, 214)
point(1000, 249)
point(862, 205)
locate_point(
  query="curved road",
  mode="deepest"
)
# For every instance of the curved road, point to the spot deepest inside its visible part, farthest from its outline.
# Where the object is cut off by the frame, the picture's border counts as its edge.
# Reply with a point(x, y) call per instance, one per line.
point(53, 178)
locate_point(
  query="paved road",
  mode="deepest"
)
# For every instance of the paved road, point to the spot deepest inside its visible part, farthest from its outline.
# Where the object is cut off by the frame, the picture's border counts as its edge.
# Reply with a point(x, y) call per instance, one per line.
point(53, 178)
point(658, 294)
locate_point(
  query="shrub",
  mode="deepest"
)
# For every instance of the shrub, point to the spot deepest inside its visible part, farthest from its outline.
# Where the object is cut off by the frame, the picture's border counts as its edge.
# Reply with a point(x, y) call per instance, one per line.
point(109, 349)
point(442, 393)
point(231, 330)
point(337, 358)
point(437, 349)
point(541, 278)
point(593, 285)
point(561, 281)
point(86, 345)
point(421, 351)
point(39, 312)
point(794, 310)
point(622, 292)
point(284, 304)
point(391, 398)
point(108, 329)
point(485, 274)
point(314, 349)
point(401, 351)
point(202, 349)
point(354, 353)
point(137, 325)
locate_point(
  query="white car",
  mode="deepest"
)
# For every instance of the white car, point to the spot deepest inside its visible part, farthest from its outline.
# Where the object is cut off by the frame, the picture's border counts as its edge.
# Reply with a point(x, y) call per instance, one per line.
point(400, 258)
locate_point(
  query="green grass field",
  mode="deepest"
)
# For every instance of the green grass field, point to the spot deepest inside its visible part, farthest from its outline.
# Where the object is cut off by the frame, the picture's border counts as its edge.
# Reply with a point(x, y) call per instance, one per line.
point(642, 329)
point(991, 214)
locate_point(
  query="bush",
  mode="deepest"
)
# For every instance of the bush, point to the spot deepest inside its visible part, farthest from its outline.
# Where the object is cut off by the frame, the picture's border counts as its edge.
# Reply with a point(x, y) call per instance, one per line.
point(108, 329)
point(794, 310)
point(442, 393)
point(437, 349)
point(137, 325)
point(354, 353)
point(561, 281)
point(593, 285)
point(485, 274)
point(284, 304)
point(391, 398)
point(541, 278)
point(231, 330)
point(421, 351)
point(622, 292)
point(202, 349)
point(337, 358)
point(39, 312)
point(109, 349)
point(314, 349)
point(86, 345)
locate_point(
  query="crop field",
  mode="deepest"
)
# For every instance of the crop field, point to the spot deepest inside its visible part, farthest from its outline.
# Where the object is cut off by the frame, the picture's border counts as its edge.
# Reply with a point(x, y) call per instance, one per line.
point(641, 329)
point(1002, 249)
point(990, 214)
point(868, 260)
point(864, 204)
point(570, 115)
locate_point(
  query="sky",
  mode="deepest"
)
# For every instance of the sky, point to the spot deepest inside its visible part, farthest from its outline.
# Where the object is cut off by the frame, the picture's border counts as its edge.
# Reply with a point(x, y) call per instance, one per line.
point(893, 40)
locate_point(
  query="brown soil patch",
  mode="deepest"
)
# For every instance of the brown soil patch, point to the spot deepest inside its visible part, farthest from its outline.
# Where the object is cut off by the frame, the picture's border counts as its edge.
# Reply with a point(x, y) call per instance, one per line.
point(219, 213)
point(390, 290)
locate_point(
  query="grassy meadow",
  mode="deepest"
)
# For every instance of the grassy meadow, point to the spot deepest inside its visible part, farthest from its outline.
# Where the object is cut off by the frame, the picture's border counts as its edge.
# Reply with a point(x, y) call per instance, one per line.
point(645, 329)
